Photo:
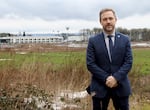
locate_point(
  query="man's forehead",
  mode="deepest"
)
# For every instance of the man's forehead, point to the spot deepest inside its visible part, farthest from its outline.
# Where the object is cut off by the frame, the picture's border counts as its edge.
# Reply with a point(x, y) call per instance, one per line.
point(107, 14)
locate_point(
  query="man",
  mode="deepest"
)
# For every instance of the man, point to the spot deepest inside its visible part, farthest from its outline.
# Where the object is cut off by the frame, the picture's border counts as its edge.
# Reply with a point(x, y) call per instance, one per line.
point(109, 59)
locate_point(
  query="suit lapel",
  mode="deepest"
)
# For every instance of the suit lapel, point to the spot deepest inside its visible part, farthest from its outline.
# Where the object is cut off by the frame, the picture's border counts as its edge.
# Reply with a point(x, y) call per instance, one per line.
point(103, 45)
point(116, 43)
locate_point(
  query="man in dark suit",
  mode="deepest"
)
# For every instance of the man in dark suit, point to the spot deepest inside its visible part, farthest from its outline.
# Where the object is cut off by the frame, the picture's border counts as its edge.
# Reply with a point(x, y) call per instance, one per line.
point(109, 60)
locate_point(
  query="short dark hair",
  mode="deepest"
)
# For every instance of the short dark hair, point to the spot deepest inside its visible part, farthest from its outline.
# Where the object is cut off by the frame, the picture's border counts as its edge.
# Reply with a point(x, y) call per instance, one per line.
point(105, 10)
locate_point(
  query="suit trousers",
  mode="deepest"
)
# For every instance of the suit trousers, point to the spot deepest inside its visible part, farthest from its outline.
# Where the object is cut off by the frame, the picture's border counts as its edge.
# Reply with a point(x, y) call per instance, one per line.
point(119, 103)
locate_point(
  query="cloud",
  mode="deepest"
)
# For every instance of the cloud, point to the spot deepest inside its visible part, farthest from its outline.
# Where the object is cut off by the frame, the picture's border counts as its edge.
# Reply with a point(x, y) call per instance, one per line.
point(135, 21)
point(47, 13)
point(49, 10)
point(71, 9)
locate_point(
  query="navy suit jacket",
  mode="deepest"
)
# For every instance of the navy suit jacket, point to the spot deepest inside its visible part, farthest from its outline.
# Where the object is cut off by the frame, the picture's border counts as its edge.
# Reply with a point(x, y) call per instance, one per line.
point(99, 65)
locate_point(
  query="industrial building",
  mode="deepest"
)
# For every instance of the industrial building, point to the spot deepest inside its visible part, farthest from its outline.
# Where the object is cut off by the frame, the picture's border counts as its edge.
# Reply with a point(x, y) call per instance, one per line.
point(31, 39)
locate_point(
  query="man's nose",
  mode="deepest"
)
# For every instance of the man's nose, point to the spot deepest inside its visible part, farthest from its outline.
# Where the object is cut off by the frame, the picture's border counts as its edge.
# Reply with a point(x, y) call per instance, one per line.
point(108, 20)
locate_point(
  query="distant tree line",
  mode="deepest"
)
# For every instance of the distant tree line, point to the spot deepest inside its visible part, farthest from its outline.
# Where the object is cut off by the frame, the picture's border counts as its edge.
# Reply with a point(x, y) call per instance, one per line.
point(5, 34)
point(134, 34)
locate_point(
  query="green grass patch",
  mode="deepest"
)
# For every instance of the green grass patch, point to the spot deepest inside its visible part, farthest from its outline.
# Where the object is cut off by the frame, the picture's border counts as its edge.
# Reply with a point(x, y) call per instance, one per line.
point(57, 59)
point(141, 61)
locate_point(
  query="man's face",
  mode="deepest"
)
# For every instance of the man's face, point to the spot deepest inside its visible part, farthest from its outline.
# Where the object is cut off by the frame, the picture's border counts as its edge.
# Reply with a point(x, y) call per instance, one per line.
point(108, 21)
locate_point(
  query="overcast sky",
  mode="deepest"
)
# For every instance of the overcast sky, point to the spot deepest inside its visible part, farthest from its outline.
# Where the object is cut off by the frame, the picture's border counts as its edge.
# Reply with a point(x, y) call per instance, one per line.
point(56, 15)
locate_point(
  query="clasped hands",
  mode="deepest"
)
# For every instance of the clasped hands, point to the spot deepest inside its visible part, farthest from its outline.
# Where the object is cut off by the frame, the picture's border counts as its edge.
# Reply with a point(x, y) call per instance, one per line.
point(111, 82)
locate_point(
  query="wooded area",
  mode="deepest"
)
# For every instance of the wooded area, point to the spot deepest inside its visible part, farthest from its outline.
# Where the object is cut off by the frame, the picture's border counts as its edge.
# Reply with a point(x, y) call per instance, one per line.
point(134, 34)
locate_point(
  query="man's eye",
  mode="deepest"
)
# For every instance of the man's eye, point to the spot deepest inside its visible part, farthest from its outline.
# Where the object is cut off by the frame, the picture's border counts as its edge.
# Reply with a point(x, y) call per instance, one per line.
point(105, 19)
point(110, 18)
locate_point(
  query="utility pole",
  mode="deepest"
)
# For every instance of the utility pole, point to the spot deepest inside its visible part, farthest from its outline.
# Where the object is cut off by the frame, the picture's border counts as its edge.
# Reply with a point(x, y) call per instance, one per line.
point(67, 35)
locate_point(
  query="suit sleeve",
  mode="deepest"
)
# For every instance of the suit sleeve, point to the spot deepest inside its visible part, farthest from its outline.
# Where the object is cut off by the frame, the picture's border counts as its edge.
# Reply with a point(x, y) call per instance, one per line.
point(95, 70)
point(127, 64)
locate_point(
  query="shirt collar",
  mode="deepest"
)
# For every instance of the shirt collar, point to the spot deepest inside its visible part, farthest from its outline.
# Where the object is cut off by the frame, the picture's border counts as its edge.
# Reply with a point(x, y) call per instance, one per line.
point(105, 34)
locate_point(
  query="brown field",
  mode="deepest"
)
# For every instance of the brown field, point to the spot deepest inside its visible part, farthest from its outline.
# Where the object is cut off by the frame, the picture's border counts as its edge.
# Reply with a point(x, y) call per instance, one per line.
point(26, 81)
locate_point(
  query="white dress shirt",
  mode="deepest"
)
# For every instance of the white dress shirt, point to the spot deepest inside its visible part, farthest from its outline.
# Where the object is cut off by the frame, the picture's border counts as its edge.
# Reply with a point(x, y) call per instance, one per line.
point(107, 42)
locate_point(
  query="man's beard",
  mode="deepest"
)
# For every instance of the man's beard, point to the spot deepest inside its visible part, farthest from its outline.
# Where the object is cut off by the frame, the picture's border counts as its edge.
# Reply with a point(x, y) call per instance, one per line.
point(109, 29)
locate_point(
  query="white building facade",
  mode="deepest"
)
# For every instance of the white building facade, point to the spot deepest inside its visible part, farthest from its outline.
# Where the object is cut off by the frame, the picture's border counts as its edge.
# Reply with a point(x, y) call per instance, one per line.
point(31, 39)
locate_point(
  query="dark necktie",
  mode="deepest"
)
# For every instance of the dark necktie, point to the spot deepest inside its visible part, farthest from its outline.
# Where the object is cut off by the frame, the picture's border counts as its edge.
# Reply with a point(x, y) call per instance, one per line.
point(110, 46)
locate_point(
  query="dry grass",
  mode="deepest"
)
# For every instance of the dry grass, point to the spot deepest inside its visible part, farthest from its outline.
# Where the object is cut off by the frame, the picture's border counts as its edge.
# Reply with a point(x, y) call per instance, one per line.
point(72, 76)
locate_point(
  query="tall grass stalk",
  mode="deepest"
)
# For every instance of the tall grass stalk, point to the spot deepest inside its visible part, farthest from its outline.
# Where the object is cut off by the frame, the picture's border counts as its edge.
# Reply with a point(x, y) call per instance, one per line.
point(57, 71)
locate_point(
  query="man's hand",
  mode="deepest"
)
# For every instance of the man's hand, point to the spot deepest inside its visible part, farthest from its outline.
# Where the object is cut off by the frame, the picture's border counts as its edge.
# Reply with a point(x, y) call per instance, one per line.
point(111, 82)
